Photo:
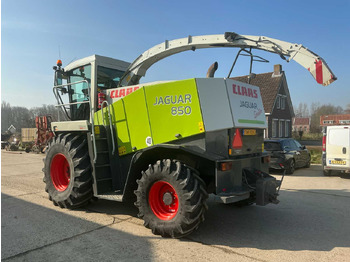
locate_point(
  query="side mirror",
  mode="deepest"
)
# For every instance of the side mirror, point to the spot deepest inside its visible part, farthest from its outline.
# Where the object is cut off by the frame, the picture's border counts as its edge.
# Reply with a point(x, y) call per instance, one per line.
point(303, 147)
point(58, 78)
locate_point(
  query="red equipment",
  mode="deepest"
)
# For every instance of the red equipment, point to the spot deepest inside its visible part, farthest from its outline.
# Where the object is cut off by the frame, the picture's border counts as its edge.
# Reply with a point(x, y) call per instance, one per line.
point(43, 124)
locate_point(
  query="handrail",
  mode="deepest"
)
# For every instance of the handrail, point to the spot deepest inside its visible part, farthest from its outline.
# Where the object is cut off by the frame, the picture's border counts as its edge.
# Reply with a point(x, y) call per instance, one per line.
point(58, 87)
point(110, 122)
point(62, 105)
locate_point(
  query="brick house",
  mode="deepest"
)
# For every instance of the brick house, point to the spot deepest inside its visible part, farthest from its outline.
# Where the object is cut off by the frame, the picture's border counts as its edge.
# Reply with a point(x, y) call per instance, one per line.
point(276, 99)
point(331, 120)
point(301, 124)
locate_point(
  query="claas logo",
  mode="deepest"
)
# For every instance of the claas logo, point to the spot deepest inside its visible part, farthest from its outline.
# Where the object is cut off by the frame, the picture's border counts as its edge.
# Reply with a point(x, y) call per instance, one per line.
point(244, 91)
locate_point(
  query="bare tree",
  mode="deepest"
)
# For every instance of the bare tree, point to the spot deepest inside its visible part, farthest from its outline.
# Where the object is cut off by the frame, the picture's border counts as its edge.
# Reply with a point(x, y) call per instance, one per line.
point(302, 110)
point(21, 117)
point(318, 110)
point(347, 110)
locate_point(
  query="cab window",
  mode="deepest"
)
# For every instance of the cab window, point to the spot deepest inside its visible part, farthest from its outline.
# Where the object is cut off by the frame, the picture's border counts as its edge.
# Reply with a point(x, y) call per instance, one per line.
point(107, 77)
point(79, 92)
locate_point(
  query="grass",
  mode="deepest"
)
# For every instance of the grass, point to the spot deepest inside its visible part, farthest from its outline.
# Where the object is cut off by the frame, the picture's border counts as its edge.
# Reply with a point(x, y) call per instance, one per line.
point(308, 136)
point(316, 154)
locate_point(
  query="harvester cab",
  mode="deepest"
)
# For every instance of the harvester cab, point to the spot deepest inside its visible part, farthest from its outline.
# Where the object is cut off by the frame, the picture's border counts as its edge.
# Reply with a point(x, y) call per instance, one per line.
point(84, 82)
point(165, 145)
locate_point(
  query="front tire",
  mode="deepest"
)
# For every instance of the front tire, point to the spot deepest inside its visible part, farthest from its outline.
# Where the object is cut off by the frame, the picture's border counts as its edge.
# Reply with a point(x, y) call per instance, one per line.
point(67, 171)
point(171, 199)
point(291, 167)
point(308, 163)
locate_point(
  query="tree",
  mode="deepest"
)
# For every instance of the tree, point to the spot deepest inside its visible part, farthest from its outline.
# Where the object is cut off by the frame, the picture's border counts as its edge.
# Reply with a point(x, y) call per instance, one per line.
point(317, 111)
point(302, 110)
point(45, 110)
point(347, 110)
point(21, 117)
point(5, 116)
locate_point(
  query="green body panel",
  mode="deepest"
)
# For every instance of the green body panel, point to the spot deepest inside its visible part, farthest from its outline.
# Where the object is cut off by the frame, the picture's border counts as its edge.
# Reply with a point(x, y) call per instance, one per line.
point(174, 109)
point(155, 114)
point(121, 125)
point(137, 119)
point(98, 118)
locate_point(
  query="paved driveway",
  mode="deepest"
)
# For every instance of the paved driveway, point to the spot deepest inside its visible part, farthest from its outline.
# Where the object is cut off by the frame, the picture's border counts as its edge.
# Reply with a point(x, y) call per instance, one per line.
point(311, 223)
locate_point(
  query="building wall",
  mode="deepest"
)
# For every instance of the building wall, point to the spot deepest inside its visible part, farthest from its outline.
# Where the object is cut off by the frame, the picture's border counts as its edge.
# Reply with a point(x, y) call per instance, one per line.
point(281, 115)
point(329, 120)
point(304, 128)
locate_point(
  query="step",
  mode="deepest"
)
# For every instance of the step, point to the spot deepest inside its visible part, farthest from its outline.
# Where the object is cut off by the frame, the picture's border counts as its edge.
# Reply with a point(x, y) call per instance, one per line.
point(114, 196)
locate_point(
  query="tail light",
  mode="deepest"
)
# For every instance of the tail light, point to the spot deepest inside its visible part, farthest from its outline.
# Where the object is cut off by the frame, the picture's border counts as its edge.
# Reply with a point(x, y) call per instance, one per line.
point(324, 143)
point(225, 166)
point(237, 140)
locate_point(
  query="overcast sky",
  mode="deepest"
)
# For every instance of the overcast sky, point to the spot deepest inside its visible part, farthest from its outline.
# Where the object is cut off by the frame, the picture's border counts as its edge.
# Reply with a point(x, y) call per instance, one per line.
point(33, 32)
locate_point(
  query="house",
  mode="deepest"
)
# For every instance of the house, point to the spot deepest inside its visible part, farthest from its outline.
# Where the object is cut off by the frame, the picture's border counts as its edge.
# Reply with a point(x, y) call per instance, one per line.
point(331, 120)
point(276, 99)
point(301, 124)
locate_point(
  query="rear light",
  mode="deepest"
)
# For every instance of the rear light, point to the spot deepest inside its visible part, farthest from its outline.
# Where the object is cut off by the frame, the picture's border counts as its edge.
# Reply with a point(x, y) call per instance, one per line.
point(225, 166)
point(324, 143)
point(281, 165)
point(237, 140)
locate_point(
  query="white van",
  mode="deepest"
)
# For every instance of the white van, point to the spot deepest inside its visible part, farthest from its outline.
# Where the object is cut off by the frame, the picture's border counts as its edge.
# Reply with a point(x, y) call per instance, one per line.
point(336, 150)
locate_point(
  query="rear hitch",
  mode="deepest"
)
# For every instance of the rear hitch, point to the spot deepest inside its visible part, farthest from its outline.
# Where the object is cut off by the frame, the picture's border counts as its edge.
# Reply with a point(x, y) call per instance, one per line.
point(266, 187)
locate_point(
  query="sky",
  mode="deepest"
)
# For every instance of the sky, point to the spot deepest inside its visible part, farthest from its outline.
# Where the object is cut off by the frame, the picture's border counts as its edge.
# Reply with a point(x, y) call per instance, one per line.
point(34, 34)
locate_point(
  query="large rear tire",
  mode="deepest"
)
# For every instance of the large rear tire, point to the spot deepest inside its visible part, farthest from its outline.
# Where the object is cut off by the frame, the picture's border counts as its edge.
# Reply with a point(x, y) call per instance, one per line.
point(171, 199)
point(67, 171)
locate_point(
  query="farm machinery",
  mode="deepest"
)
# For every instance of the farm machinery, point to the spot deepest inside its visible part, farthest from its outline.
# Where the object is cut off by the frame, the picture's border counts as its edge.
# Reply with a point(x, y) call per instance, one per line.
point(164, 145)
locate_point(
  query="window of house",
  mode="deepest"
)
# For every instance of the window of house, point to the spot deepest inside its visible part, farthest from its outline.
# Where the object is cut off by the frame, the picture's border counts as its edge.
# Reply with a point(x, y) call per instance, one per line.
point(344, 121)
point(305, 128)
point(283, 102)
point(274, 127)
point(287, 126)
point(278, 102)
point(328, 121)
point(281, 124)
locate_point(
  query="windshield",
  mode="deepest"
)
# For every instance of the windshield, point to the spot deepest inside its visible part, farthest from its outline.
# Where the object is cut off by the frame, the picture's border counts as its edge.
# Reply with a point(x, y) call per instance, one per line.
point(79, 92)
point(272, 146)
point(107, 77)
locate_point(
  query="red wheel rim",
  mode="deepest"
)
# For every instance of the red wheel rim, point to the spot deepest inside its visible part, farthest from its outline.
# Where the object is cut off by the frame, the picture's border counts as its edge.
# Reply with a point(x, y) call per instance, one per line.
point(163, 200)
point(60, 172)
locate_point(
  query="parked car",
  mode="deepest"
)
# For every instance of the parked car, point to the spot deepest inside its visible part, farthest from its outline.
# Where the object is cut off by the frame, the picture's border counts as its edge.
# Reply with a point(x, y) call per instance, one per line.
point(287, 154)
point(336, 150)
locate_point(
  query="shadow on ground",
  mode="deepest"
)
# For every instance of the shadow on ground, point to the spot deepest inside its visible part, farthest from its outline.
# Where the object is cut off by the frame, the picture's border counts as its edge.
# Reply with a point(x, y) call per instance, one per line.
point(304, 220)
point(30, 232)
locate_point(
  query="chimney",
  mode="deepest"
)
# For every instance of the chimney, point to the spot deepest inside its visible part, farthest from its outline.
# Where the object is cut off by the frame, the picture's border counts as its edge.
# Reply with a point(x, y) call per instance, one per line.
point(277, 70)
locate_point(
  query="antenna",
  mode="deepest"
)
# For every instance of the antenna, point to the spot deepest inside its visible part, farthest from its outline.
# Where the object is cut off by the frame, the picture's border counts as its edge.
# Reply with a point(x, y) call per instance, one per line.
point(59, 52)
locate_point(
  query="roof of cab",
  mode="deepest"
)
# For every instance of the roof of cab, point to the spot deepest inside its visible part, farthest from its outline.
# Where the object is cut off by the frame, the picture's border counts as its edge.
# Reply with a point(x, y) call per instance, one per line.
point(100, 60)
